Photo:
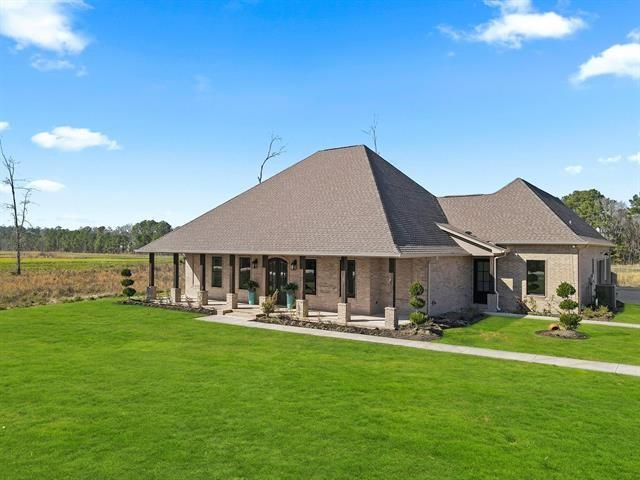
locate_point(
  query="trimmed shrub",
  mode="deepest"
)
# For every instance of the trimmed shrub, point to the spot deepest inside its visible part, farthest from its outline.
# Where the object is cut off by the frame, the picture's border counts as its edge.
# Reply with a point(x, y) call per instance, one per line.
point(128, 292)
point(569, 320)
point(416, 302)
point(125, 272)
point(126, 282)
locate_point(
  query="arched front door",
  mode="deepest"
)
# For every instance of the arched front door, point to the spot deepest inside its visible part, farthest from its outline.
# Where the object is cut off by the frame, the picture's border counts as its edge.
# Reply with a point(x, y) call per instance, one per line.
point(278, 278)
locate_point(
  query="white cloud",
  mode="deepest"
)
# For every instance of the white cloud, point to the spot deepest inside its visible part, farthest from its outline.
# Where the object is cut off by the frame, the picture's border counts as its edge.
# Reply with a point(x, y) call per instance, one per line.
point(635, 158)
point(4, 126)
point(47, 64)
point(74, 139)
point(46, 185)
point(518, 22)
point(621, 60)
point(610, 160)
point(573, 169)
point(43, 24)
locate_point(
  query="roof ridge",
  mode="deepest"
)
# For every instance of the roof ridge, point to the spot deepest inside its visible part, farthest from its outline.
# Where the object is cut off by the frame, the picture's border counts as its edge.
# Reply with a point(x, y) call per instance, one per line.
point(379, 195)
point(533, 189)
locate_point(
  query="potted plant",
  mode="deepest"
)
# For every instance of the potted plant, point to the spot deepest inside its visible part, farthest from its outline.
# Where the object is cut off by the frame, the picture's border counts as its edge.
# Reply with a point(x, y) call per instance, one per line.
point(290, 288)
point(251, 287)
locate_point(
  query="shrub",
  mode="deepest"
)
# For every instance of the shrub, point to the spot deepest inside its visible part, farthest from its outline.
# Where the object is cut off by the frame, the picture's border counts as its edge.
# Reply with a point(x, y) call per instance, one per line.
point(129, 292)
point(600, 312)
point(269, 305)
point(252, 285)
point(126, 282)
point(417, 317)
point(290, 287)
point(569, 320)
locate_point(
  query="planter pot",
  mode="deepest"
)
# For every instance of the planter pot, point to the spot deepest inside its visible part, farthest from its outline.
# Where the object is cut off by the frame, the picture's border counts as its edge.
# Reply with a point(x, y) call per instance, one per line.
point(252, 297)
point(291, 300)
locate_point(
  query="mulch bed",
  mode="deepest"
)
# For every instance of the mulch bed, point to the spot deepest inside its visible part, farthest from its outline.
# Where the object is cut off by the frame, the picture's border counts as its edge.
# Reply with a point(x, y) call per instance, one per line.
point(170, 306)
point(563, 334)
point(425, 333)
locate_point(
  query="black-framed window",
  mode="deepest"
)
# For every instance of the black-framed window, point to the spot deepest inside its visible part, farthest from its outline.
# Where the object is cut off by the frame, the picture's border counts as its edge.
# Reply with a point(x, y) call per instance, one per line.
point(536, 277)
point(351, 279)
point(216, 272)
point(245, 272)
point(310, 276)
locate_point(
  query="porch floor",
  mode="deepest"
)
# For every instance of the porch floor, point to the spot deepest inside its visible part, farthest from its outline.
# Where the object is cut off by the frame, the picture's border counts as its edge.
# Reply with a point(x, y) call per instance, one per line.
point(249, 312)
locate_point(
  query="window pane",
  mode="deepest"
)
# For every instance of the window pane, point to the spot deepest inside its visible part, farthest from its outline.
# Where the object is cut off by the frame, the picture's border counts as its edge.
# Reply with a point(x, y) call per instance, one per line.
point(310, 277)
point(535, 277)
point(216, 272)
point(245, 272)
point(351, 278)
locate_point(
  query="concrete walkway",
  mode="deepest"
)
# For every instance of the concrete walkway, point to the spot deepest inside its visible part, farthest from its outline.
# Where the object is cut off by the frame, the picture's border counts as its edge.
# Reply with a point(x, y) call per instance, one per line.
point(619, 368)
point(555, 319)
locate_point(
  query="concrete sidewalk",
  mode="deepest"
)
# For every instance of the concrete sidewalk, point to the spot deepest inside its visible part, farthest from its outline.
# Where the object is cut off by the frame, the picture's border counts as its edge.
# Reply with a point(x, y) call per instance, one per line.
point(619, 368)
point(555, 319)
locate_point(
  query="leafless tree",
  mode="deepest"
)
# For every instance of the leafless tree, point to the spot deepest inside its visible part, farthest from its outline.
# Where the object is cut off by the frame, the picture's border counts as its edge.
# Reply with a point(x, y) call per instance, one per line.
point(373, 133)
point(18, 207)
point(271, 152)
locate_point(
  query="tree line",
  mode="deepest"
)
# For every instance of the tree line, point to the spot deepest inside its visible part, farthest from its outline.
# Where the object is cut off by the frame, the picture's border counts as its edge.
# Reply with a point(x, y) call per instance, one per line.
point(124, 239)
point(616, 221)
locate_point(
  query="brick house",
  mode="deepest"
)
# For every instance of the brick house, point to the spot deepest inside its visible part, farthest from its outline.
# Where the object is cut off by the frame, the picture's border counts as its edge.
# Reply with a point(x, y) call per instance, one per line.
point(354, 232)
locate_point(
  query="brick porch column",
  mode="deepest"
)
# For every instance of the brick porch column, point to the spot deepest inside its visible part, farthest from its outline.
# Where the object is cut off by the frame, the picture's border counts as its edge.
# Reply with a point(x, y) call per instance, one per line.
point(151, 289)
point(344, 313)
point(176, 294)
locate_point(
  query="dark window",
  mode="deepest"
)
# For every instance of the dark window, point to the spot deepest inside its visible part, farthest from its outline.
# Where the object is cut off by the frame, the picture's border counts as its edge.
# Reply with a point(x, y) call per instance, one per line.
point(245, 272)
point(351, 278)
point(535, 277)
point(216, 272)
point(310, 277)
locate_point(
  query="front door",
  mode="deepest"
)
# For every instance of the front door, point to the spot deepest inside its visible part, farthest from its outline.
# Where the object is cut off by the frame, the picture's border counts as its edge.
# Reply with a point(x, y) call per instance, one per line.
point(482, 281)
point(278, 278)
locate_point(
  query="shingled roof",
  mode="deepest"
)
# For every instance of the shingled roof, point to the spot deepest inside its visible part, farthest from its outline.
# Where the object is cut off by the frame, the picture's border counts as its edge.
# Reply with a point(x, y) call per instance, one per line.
point(520, 213)
point(345, 201)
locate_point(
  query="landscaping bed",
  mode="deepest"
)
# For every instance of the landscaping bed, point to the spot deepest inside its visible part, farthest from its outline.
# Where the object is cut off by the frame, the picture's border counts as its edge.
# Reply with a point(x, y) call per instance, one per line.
point(427, 332)
point(170, 306)
point(565, 334)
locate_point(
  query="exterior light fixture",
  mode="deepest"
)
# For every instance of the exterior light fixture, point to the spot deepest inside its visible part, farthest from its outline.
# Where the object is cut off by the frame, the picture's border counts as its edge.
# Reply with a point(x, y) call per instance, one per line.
point(254, 263)
point(294, 265)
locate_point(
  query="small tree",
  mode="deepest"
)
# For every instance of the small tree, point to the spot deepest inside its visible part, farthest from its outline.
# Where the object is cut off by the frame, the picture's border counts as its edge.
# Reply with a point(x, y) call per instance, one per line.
point(417, 317)
point(569, 319)
point(126, 282)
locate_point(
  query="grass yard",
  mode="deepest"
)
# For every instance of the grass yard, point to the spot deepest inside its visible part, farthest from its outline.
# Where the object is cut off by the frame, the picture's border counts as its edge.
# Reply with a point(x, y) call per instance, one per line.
point(73, 261)
point(607, 344)
point(98, 390)
point(629, 314)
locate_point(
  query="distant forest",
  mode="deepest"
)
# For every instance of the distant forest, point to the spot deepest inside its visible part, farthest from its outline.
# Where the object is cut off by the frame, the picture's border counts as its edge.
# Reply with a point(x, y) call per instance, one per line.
point(86, 239)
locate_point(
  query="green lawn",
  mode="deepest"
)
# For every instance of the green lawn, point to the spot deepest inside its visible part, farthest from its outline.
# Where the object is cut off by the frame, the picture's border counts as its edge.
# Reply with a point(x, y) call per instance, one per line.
point(102, 391)
point(607, 344)
point(629, 314)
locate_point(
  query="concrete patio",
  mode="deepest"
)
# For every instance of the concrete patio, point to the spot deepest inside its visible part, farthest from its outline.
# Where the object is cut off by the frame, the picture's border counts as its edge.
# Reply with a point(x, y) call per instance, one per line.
point(249, 312)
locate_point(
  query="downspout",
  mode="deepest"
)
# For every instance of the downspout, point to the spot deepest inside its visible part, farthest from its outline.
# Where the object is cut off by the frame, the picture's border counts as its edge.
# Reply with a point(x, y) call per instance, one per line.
point(495, 279)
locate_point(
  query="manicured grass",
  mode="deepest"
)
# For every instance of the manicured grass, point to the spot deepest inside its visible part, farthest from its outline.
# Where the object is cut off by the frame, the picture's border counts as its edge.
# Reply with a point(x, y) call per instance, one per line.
point(605, 343)
point(629, 314)
point(97, 390)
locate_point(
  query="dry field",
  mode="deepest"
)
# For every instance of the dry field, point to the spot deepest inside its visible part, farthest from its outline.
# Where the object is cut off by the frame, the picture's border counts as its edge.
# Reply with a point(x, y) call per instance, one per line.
point(628, 275)
point(59, 277)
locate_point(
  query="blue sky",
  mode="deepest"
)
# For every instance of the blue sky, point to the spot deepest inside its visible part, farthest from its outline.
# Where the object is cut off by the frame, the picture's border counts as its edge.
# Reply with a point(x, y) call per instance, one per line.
point(120, 111)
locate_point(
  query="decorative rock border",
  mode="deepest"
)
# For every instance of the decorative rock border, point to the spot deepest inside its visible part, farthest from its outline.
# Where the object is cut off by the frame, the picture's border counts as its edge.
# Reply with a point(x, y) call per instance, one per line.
point(426, 333)
point(169, 306)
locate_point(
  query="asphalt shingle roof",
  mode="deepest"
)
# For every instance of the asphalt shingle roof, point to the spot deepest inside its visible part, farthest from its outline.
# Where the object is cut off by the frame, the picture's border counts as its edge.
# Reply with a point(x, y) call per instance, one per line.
point(344, 201)
point(519, 213)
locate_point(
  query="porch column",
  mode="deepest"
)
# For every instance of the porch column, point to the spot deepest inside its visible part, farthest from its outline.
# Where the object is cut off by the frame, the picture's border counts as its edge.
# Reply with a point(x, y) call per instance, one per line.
point(391, 313)
point(176, 294)
point(344, 309)
point(151, 289)
point(203, 294)
point(265, 279)
point(302, 307)
point(232, 296)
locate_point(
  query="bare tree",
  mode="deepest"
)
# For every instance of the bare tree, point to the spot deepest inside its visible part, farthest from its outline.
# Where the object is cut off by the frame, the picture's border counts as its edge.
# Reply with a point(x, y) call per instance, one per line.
point(373, 133)
point(271, 153)
point(18, 208)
